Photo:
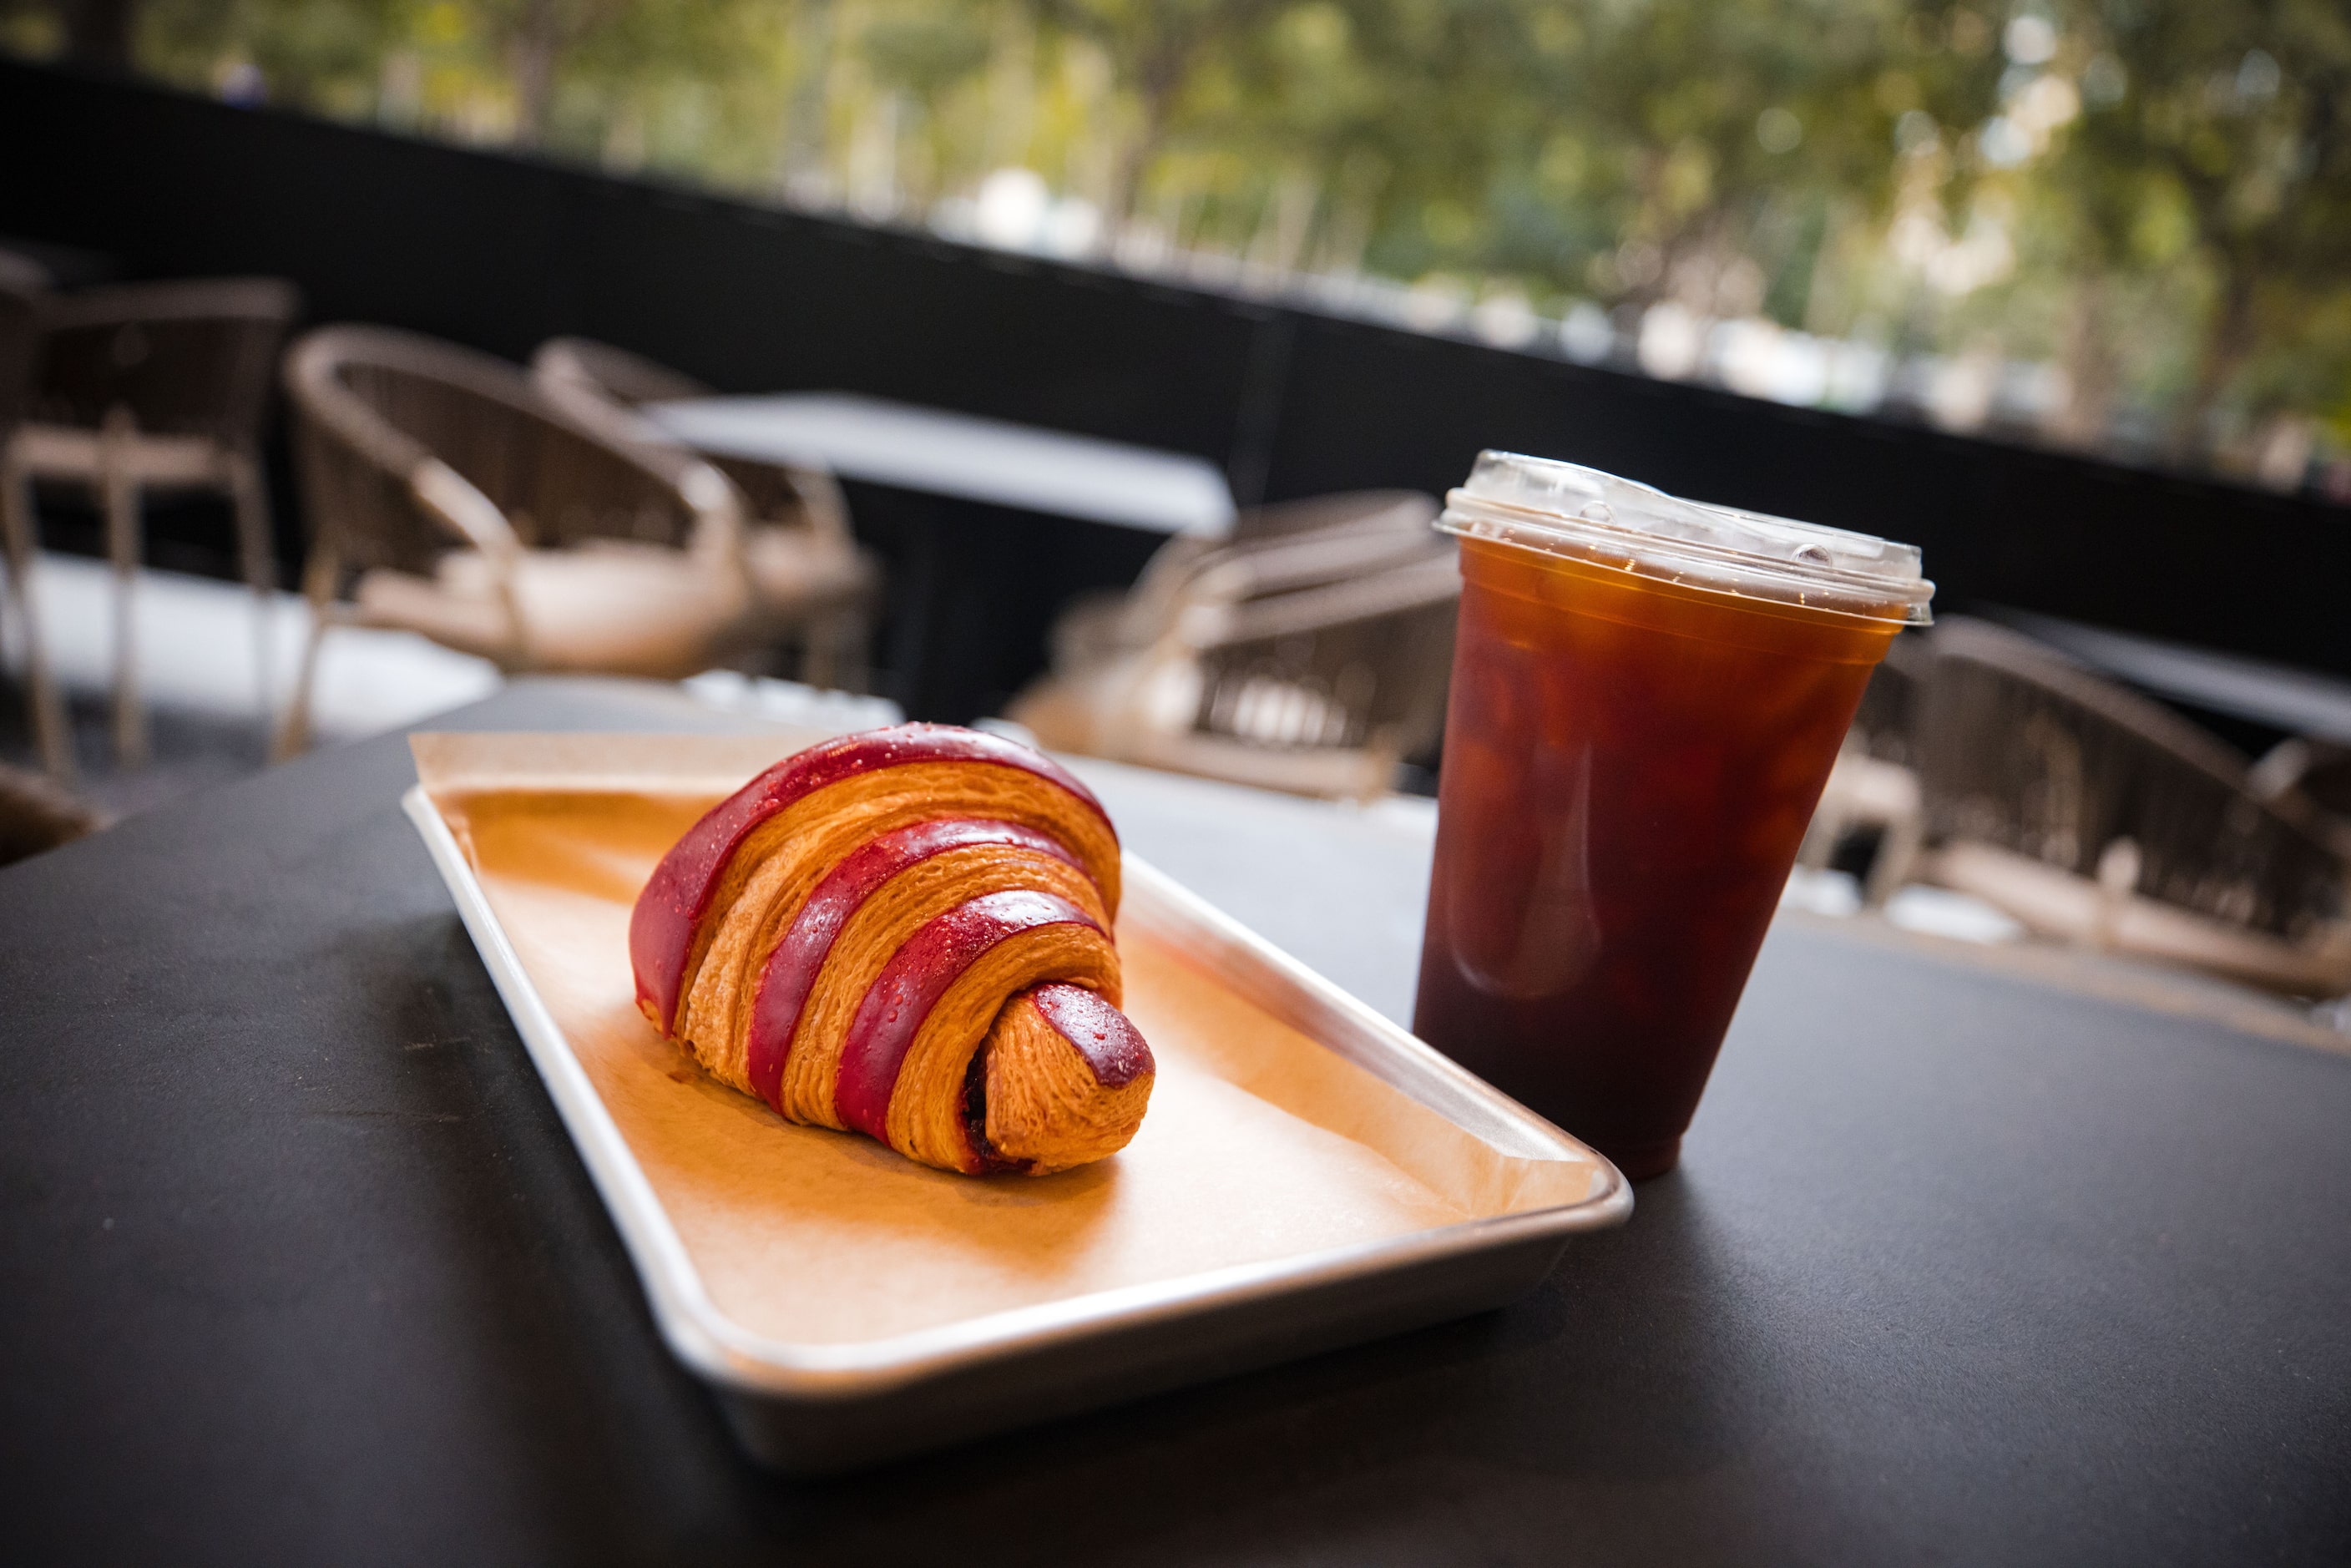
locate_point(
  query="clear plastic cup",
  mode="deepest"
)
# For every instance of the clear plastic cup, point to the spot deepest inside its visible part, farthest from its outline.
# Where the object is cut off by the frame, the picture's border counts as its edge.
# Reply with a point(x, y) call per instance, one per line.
point(1647, 696)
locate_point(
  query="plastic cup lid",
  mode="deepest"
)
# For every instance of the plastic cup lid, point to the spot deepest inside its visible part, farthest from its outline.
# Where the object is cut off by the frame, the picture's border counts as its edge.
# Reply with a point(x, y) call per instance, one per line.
point(1583, 514)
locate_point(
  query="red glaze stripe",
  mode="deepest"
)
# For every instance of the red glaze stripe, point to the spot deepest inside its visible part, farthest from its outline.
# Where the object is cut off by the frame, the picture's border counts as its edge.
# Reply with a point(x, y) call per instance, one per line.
point(1104, 1036)
point(661, 927)
point(791, 969)
point(911, 982)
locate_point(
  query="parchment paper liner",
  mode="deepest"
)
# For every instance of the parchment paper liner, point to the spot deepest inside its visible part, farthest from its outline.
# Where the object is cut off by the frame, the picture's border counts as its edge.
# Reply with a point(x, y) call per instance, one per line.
point(1259, 1143)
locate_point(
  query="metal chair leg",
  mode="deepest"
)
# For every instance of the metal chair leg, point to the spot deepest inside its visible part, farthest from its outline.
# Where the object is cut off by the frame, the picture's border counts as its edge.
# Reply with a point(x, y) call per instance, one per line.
point(120, 491)
point(50, 730)
point(250, 500)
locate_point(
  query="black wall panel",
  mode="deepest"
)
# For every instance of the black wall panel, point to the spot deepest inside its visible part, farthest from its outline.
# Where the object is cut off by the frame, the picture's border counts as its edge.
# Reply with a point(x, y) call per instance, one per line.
point(2200, 562)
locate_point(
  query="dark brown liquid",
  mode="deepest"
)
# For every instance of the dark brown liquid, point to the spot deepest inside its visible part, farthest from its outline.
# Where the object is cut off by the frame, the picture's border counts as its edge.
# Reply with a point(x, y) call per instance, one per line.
point(1629, 767)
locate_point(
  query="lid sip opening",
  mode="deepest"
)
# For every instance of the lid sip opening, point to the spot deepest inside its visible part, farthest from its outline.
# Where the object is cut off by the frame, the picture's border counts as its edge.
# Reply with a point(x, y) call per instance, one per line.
point(1583, 514)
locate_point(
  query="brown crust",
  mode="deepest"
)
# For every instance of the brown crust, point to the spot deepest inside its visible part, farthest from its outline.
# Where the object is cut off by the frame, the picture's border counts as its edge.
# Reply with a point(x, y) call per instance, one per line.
point(925, 1119)
point(909, 1008)
point(663, 925)
point(1046, 1105)
point(860, 913)
point(780, 863)
point(874, 935)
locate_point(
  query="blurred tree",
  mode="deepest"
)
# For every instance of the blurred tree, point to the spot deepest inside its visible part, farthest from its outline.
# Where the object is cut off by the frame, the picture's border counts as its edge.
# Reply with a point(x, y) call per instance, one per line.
point(2156, 193)
point(537, 34)
point(935, 59)
point(1698, 148)
point(1737, 109)
point(1158, 48)
point(316, 54)
point(694, 86)
point(2240, 114)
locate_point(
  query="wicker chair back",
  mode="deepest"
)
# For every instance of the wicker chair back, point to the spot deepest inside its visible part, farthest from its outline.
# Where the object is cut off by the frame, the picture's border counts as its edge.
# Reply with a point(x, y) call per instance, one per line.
point(1355, 662)
point(184, 359)
point(373, 405)
point(2021, 748)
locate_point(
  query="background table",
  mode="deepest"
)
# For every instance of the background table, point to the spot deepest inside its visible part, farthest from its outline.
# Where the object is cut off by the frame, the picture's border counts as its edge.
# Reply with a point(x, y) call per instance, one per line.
point(298, 1265)
point(989, 527)
point(2266, 700)
point(964, 455)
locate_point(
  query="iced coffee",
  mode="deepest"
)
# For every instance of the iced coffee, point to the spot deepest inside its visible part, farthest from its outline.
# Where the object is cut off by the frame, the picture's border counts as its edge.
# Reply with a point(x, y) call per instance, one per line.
point(1647, 696)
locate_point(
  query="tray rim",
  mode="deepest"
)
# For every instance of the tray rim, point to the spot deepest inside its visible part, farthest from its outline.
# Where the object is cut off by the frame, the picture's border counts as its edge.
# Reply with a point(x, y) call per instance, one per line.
point(724, 1353)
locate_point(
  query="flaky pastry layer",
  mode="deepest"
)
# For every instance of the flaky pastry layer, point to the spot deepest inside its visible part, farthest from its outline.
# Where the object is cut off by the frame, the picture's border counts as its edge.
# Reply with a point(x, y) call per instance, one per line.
point(916, 949)
point(1055, 1096)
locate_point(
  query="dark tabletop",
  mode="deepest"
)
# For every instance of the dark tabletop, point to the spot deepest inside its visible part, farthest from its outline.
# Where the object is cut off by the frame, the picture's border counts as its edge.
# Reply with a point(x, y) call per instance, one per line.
point(297, 1264)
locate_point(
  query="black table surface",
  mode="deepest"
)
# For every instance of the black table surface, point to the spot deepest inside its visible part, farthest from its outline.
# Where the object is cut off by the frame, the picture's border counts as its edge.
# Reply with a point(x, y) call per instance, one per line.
point(298, 1264)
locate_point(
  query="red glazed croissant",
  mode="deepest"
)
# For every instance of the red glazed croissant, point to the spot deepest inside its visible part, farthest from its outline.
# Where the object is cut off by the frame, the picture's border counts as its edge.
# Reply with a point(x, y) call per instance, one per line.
point(905, 933)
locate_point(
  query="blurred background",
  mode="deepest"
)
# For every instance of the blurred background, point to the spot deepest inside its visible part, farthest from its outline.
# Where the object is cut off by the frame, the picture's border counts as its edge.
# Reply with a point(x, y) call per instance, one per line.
point(2113, 225)
point(1091, 367)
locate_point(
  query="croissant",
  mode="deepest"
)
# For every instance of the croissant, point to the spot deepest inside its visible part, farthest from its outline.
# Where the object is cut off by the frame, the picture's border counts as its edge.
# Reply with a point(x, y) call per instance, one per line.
point(907, 934)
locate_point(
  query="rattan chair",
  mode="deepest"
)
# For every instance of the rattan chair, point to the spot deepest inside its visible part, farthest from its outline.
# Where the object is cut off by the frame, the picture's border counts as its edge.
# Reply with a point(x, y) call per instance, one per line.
point(37, 814)
point(20, 311)
point(1288, 544)
point(1391, 511)
point(814, 585)
point(449, 497)
point(152, 387)
point(1311, 661)
point(2093, 815)
point(1871, 798)
point(2310, 776)
point(1868, 800)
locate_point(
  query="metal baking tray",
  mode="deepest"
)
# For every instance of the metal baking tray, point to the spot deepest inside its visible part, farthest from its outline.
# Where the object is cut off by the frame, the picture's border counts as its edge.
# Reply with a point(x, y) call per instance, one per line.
point(819, 1409)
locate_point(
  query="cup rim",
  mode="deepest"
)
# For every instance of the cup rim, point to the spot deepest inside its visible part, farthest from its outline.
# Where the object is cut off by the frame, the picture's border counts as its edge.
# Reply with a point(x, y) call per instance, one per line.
point(1572, 512)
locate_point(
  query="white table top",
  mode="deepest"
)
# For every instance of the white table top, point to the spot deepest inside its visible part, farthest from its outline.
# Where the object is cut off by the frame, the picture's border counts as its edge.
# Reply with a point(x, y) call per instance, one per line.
point(962, 455)
point(2302, 701)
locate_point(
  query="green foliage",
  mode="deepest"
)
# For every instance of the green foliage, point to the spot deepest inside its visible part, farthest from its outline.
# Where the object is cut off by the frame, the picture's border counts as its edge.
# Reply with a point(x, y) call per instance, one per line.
point(2153, 194)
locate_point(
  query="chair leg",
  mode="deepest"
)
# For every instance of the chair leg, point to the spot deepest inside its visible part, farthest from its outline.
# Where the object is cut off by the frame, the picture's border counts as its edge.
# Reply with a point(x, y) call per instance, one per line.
point(250, 498)
point(49, 726)
point(833, 655)
point(294, 727)
point(120, 492)
point(818, 648)
point(319, 592)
